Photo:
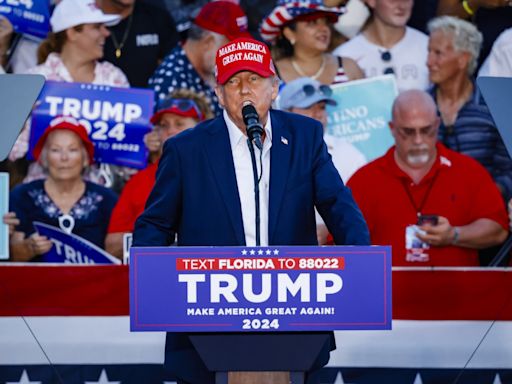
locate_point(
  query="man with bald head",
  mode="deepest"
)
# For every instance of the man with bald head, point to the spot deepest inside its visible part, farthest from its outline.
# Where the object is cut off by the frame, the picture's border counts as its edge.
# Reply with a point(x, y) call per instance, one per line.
point(433, 205)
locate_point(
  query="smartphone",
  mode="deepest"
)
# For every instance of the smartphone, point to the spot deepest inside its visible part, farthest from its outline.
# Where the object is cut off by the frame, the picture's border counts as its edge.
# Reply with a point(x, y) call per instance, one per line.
point(428, 219)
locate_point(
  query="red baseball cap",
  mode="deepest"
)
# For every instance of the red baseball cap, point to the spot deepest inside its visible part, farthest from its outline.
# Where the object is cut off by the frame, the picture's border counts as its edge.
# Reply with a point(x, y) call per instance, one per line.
point(225, 18)
point(243, 54)
point(71, 124)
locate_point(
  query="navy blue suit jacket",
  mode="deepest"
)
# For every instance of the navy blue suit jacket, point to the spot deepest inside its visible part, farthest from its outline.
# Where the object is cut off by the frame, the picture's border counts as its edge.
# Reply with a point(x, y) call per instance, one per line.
point(196, 193)
point(196, 196)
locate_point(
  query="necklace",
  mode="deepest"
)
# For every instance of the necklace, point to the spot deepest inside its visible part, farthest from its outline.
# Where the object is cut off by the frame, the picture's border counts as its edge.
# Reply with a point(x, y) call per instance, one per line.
point(119, 46)
point(299, 70)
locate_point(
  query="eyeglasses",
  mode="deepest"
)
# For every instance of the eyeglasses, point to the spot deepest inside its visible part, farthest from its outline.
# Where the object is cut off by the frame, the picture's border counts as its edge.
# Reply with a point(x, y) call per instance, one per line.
point(410, 133)
point(183, 105)
point(386, 57)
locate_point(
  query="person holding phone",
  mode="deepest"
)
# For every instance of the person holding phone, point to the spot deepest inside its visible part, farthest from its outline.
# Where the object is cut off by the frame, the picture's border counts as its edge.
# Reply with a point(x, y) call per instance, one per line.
point(433, 205)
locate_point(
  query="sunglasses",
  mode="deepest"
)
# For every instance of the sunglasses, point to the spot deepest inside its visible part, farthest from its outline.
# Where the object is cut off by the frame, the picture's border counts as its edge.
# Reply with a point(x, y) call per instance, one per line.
point(386, 57)
point(183, 105)
point(310, 90)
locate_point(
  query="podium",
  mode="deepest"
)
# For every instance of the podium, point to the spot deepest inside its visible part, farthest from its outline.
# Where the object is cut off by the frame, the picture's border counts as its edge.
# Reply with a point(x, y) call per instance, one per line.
point(260, 352)
point(258, 309)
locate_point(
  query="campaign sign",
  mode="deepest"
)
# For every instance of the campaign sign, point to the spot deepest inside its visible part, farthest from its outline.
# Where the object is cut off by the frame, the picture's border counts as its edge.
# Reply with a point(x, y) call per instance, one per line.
point(362, 114)
point(4, 208)
point(116, 118)
point(30, 17)
point(72, 249)
point(251, 289)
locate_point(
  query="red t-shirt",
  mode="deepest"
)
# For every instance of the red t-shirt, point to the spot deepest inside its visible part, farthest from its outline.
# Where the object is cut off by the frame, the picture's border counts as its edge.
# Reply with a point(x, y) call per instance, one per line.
point(462, 191)
point(132, 201)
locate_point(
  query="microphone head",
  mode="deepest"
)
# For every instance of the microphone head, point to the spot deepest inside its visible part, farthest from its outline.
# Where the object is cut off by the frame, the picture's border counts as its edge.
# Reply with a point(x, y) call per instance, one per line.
point(249, 112)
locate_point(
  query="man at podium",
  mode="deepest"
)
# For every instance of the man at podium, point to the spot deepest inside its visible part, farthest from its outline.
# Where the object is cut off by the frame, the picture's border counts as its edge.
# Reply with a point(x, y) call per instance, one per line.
point(204, 190)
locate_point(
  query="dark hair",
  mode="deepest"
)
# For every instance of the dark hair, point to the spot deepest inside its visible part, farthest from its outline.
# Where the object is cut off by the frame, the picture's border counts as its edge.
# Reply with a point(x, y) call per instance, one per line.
point(282, 47)
point(53, 43)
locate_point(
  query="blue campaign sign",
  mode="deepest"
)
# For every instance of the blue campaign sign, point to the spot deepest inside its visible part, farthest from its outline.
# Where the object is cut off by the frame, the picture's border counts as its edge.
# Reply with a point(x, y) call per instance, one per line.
point(237, 289)
point(72, 249)
point(116, 118)
point(362, 114)
point(30, 17)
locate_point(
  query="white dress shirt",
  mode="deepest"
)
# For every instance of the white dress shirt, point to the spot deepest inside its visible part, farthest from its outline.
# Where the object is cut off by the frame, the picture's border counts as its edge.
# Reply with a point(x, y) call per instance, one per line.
point(245, 181)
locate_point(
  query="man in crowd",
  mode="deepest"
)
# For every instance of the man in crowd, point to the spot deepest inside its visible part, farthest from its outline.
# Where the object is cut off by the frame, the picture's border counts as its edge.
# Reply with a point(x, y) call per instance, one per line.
point(433, 205)
point(387, 45)
point(145, 35)
point(204, 188)
point(192, 64)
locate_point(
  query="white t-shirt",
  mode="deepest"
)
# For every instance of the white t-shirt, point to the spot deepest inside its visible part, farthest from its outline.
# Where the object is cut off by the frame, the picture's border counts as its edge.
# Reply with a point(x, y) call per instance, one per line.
point(408, 58)
point(499, 61)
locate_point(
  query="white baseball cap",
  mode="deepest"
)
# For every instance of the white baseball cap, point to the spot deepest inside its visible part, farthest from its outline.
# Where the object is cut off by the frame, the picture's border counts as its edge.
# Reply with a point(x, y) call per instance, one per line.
point(70, 13)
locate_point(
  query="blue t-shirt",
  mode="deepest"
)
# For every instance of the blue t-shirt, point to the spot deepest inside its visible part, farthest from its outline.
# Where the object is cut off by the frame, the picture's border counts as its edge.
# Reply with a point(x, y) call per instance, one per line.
point(91, 212)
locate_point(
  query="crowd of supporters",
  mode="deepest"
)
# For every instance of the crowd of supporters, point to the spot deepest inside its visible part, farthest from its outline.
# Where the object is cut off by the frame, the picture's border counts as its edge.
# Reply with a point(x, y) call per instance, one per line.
point(434, 49)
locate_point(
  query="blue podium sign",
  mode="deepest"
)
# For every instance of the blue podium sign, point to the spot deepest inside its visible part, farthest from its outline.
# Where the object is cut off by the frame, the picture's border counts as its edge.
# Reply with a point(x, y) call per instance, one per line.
point(251, 289)
point(116, 118)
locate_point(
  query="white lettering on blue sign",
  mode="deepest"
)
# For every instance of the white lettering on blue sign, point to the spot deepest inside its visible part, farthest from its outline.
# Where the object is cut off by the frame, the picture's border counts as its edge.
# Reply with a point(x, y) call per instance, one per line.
point(226, 286)
point(93, 109)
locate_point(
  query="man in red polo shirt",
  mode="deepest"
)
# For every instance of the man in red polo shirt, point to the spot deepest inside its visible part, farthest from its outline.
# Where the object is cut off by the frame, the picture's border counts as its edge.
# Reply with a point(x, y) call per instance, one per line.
point(433, 205)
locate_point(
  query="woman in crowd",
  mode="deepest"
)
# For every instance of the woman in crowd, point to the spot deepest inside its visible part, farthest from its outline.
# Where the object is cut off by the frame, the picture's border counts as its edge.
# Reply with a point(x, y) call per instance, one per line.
point(71, 53)
point(183, 109)
point(301, 35)
point(466, 123)
point(63, 199)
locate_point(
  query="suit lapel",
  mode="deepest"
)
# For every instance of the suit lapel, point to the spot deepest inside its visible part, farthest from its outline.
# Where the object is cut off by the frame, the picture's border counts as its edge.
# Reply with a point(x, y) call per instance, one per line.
point(280, 155)
point(220, 158)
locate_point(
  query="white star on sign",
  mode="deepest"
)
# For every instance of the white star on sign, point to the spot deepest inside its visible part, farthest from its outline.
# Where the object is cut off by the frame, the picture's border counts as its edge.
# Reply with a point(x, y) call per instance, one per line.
point(170, 382)
point(103, 379)
point(244, 252)
point(252, 252)
point(23, 379)
point(260, 252)
point(497, 379)
point(268, 252)
point(276, 251)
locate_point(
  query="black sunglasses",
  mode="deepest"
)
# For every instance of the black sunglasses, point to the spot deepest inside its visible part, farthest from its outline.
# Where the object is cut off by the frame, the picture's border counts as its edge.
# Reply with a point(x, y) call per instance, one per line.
point(386, 57)
point(184, 105)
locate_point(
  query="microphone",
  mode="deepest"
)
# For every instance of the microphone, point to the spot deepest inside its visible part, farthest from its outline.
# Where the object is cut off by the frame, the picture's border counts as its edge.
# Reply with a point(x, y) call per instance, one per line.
point(252, 122)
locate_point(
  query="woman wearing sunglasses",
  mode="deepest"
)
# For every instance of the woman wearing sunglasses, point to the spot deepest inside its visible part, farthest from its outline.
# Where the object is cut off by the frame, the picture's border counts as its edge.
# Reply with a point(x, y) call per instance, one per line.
point(300, 34)
point(182, 110)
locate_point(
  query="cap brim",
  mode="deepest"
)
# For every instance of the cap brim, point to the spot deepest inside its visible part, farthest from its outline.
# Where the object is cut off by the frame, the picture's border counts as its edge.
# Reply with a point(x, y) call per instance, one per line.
point(316, 98)
point(228, 73)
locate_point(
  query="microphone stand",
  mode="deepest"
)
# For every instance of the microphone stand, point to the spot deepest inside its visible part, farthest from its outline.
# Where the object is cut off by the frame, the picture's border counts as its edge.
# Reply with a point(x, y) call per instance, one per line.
point(256, 190)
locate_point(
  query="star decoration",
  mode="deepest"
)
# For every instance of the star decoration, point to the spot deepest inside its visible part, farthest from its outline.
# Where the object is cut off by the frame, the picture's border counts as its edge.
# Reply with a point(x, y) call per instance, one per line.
point(103, 379)
point(24, 379)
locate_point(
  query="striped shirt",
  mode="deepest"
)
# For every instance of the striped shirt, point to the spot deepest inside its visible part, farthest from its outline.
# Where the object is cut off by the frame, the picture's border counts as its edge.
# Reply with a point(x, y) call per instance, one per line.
point(474, 134)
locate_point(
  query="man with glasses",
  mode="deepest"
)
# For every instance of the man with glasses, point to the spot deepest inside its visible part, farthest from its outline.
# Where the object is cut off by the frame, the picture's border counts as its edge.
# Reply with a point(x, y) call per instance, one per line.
point(387, 45)
point(204, 188)
point(433, 205)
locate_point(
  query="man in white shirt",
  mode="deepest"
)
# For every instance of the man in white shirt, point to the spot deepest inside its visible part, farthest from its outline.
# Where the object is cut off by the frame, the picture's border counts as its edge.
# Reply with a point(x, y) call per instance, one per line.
point(388, 46)
point(499, 61)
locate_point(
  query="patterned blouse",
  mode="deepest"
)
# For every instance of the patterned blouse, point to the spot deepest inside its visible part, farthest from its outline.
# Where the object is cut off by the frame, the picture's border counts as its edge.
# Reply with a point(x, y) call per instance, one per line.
point(175, 72)
point(91, 212)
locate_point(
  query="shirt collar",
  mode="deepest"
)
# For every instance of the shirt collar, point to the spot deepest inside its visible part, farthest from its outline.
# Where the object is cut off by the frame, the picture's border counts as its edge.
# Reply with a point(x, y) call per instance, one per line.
point(442, 162)
point(235, 134)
